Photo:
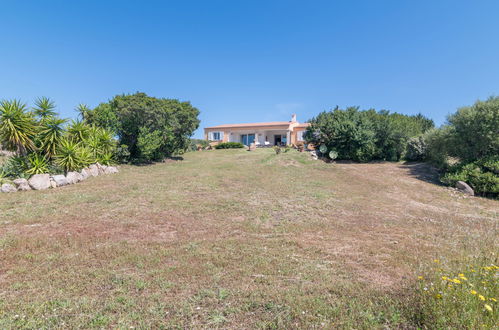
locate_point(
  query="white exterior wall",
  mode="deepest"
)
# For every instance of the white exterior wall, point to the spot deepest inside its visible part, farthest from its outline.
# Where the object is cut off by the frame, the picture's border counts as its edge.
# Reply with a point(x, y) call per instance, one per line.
point(235, 136)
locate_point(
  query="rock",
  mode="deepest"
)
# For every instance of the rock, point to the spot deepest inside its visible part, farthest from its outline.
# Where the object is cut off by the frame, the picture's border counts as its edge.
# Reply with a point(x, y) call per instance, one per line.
point(313, 153)
point(93, 170)
point(73, 177)
point(8, 188)
point(20, 181)
point(465, 188)
point(252, 147)
point(60, 180)
point(40, 181)
point(85, 174)
point(110, 170)
point(53, 184)
point(24, 186)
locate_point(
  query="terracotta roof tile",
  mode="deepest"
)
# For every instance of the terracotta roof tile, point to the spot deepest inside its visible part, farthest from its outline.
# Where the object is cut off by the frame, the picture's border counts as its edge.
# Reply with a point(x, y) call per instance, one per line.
point(271, 123)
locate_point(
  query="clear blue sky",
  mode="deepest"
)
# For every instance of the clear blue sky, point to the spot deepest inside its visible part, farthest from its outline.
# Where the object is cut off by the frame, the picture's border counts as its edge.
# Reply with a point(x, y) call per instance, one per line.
point(244, 61)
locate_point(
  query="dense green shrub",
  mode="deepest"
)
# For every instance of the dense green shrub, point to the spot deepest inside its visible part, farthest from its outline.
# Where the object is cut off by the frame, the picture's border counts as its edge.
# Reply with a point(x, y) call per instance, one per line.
point(416, 149)
point(229, 145)
point(151, 128)
point(470, 138)
point(365, 135)
point(475, 131)
point(481, 175)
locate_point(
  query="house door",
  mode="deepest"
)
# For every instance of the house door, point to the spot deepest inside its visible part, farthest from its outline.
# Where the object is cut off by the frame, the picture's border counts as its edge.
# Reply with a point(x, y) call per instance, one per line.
point(247, 139)
point(277, 140)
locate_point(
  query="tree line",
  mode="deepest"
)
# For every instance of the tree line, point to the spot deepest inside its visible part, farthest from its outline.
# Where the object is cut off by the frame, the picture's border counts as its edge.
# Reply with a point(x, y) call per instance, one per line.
point(465, 148)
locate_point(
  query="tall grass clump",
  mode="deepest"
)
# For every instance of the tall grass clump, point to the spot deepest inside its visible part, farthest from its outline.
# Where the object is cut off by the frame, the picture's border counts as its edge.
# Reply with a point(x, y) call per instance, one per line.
point(462, 296)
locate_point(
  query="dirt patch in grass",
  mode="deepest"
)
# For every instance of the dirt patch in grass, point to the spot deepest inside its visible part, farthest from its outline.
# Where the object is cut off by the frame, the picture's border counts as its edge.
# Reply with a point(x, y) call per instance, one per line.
point(233, 239)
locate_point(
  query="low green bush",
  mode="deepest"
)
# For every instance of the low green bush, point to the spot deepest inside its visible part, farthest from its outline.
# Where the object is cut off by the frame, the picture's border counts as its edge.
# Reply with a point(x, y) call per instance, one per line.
point(481, 175)
point(195, 143)
point(229, 145)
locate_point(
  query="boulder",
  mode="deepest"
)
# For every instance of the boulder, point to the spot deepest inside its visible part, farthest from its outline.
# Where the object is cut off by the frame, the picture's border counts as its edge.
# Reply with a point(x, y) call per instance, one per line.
point(313, 153)
point(73, 177)
point(40, 181)
point(20, 181)
point(110, 170)
point(60, 180)
point(93, 170)
point(85, 174)
point(53, 184)
point(465, 188)
point(8, 188)
point(100, 168)
point(24, 186)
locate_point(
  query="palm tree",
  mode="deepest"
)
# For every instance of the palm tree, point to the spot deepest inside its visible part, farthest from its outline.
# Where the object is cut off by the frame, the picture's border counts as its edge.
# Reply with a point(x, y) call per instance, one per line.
point(83, 111)
point(17, 127)
point(50, 134)
point(44, 107)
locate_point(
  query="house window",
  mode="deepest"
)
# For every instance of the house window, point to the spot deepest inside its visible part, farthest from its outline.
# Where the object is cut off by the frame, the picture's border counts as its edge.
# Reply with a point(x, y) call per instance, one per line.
point(217, 136)
point(299, 135)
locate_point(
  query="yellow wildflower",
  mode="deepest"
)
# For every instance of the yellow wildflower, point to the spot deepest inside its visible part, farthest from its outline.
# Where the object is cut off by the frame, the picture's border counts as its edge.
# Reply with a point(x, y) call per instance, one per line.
point(472, 270)
point(456, 281)
point(487, 307)
point(436, 261)
point(481, 297)
point(444, 278)
point(493, 299)
point(473, 292)
point(420, 277)
point(438, 296)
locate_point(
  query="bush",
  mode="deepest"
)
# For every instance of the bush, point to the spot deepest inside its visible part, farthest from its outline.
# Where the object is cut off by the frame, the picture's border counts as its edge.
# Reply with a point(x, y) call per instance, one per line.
point(365, 135)
point(196, 143)
point(229, 145)
point(475, 131)
point(416, 149)
point(477, 175)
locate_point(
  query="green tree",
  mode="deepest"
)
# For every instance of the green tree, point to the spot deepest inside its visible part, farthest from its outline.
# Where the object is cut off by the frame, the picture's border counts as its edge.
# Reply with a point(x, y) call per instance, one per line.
point(475, 130)
point(166, 124)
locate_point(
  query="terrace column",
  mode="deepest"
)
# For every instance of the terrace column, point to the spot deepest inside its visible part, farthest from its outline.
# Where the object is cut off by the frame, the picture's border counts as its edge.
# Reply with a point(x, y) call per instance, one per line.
point(288, 137)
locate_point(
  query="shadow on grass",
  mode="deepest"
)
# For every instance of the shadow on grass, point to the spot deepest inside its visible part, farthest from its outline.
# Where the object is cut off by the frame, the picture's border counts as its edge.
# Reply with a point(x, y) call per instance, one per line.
point(423, 171)
point(148, 163)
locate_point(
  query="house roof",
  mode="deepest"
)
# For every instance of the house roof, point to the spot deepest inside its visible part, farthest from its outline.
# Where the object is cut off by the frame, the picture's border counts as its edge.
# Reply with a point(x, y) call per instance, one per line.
point(303, 125)
point(270, 123)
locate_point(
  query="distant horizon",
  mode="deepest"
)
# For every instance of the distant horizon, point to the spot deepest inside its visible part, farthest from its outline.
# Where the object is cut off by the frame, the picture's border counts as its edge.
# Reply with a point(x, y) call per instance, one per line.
point(254, 62)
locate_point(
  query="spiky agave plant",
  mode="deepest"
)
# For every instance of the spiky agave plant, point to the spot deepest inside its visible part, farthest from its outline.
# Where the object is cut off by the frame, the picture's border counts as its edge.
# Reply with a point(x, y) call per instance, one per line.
point(44, 107)
point(50, 134)
point(78, 130)
point(69, 155)
point(17, 127)
point(37, 164)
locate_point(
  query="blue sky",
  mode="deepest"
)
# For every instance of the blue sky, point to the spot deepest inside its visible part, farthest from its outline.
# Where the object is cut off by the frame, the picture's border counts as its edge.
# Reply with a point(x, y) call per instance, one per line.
point(246, 61)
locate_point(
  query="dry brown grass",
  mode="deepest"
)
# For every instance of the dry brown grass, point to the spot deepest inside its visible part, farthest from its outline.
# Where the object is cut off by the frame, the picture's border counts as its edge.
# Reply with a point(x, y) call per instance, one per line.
point(234, 239)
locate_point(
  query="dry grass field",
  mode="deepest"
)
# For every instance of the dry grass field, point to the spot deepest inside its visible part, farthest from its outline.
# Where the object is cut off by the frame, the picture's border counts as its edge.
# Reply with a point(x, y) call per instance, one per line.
point(235, 239)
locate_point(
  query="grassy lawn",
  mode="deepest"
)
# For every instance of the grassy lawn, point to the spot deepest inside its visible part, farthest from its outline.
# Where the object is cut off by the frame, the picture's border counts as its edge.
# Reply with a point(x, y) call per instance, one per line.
point(237, 239)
